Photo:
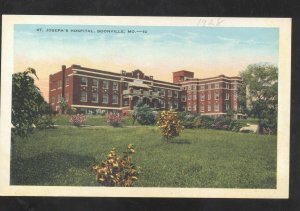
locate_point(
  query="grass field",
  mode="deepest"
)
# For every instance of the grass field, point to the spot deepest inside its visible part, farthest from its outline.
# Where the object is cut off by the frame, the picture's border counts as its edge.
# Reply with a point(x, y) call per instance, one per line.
point(198, 158)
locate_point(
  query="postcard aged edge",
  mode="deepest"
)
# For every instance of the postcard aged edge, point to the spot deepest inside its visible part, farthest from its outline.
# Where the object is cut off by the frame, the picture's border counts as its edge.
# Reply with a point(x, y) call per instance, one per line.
point(284, 25)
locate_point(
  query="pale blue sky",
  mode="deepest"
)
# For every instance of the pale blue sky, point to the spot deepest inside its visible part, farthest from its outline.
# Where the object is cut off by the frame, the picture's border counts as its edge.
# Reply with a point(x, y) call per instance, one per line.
point(162, 50)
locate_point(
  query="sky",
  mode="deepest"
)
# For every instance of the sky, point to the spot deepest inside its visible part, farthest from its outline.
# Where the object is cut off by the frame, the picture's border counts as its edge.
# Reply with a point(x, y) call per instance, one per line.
point(155, 50)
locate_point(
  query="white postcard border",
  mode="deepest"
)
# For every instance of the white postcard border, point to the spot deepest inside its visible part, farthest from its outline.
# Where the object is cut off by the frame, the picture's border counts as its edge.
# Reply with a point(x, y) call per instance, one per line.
point(284, 90)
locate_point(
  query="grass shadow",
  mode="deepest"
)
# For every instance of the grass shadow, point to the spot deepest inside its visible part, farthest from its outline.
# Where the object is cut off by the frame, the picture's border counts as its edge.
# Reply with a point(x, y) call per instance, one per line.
point(47, 168)
point(179, 141)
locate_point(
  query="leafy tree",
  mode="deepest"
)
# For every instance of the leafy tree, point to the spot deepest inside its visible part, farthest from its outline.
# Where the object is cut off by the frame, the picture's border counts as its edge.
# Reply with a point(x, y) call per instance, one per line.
point(143, 114)
point(259, 94)
point(27, 102)
point(63, 104)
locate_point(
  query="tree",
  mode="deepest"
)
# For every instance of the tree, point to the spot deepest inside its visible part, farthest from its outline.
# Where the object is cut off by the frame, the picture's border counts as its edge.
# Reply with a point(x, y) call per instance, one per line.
point(27, 102)
point(143, 114)
point(259, 94)
point(63, 104)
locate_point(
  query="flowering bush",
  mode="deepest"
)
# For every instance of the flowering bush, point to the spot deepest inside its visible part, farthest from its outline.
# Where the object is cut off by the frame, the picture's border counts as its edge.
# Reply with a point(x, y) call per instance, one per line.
point(169, 124)
point(78, 119)
point(117, 171)
point(114, 120)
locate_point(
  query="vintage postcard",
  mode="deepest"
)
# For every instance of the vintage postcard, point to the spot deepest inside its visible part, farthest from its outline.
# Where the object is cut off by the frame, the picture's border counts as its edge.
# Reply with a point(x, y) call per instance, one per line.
point(145, 106)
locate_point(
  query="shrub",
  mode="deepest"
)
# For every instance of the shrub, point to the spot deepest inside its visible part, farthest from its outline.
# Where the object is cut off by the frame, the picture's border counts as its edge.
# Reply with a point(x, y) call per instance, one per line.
point(45, 122)
point(236, 125)
point(143, 114)
point(116, 170)
point(114, 119)
point(71, 111)
point(44, 118)
point(190, 120)
point(78, 120)
point(169, 124)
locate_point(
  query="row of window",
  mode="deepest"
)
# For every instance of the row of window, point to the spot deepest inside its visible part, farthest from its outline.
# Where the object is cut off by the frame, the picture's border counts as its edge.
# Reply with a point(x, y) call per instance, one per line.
point(209, 86)
point(164, 92)
point(105, 85)
point(215, 107)
point(217, 96)
point(59, 97)
point(59, 83)
point(95, 98)
point(162, 104)
point(95, 83)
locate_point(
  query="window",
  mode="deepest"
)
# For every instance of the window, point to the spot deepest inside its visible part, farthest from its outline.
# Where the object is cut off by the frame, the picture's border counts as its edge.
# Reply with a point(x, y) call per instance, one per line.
point(115, 85)
point(209, 96)
point(195, 107)
point(209, 86)
point(162, 92)
point(83, 97)
point(169, 93)
point(95, 98)
point(227, 106)
point(189, 108)
point(189, 97)
point(176, 93)
point(183, 98)
point(162, 103)
point(208, 107)
point(83, 81)
point(95, 83)
point(217, 95)
point(67, 81)
point(190, 87)
point(185, 88)
point(59, 83)
point(105, 98)
point(216, 106)
point(195, 96)
point(202, 96)
point(126, 102)
point(202, 87)
point(216, 85)
point(125, 85)
point(115, 99)
point(202, 107)
point(67, 96)
point(194, 87)
point(176, 104)
point(170, 104)
point(227, 85)
point(105, 84)
point(227, 96)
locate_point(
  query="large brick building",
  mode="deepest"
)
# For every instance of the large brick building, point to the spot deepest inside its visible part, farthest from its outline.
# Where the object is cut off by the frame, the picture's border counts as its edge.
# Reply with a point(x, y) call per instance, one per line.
point(91, 90)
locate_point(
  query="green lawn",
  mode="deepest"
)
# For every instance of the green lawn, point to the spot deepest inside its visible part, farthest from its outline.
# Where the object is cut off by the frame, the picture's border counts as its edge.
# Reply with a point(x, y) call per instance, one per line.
point(198, 158)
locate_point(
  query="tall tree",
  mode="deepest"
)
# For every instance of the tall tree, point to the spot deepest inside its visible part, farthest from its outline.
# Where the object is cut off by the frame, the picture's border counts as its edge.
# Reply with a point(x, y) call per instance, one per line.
point(27, 102)
point(260, 91)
